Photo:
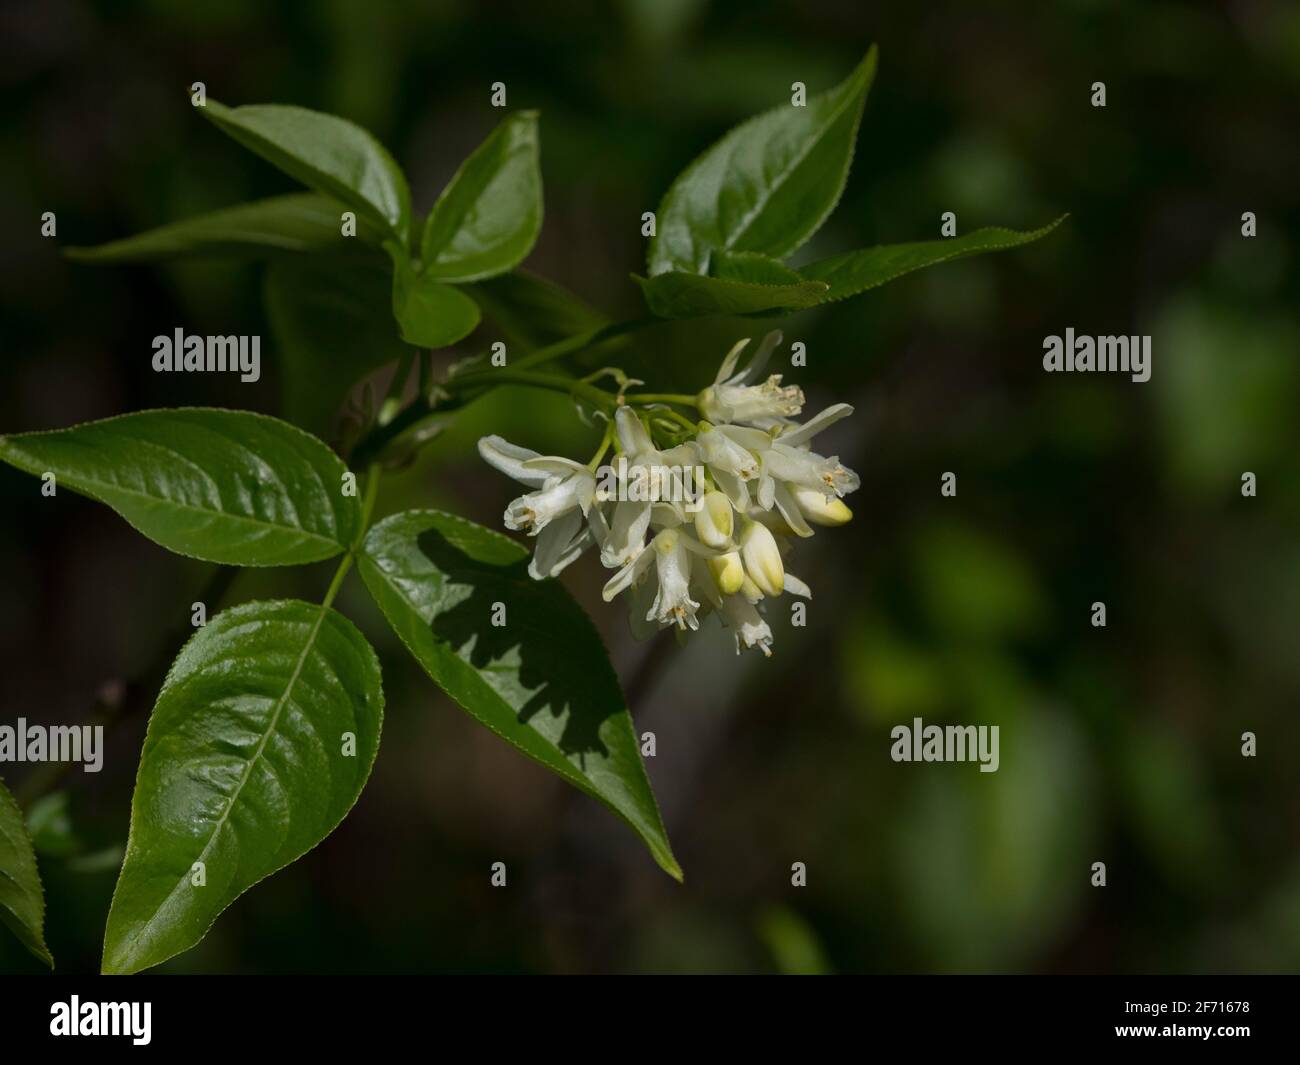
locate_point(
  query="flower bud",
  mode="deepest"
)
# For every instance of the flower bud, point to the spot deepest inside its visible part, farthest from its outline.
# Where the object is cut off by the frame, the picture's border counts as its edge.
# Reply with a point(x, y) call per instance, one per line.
point(818, 509)
point(713, 521)
point(728, 572)
point(762, 559)
point(708, 404)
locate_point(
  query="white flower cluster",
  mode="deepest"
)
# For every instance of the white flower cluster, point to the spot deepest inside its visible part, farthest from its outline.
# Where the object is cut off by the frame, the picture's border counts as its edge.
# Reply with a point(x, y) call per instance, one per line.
point(680, 556)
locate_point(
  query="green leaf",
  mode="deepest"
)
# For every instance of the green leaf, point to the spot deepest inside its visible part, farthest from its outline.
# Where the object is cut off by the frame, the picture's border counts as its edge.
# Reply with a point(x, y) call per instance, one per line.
point(22, 903)
point(532, 312)
point(487, 219)
point(245, 768)
point(299, 222)
point(751, 268)
point(429, 313)
point(681, 295)
point(767, 186)
point(324, 152)
point(333, 323)
point(542, 681)
point(220, 485)
point(858, 271)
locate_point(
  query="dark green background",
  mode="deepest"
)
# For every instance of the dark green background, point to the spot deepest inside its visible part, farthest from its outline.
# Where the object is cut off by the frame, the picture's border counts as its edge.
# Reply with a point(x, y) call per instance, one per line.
point(1119, 745)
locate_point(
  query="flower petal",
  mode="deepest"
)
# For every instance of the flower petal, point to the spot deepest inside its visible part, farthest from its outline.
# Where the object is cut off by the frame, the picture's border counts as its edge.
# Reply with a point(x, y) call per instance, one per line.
point(557, 465)
point(553, 542)
point(729, 362)
point(695, 546)
point(639, 608)
point(816, 424)
point(788, 507)
point(626, 533)
point(733, 488)
point(743, 618)
point(794, 585)
point(764, 352)
point(750, 439)
point(626, 575)
point(687, 456)
point(632, 435)
point(666, 515)
point(510, 458)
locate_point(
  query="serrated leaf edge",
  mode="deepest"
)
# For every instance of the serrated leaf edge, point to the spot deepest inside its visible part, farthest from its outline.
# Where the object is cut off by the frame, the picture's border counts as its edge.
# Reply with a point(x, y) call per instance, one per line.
point(1019, 238)
point(322, 610)
point(6, 796)
point(667, 860)
point(868, 65)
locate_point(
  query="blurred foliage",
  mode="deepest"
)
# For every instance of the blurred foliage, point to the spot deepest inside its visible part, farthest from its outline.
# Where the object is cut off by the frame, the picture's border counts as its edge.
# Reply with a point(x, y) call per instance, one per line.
point(1120, 744)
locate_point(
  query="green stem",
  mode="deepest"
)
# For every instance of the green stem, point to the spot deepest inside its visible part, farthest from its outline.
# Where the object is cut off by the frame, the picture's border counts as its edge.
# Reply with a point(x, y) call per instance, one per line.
point(337, 582)
point(373, 475)
point(605, 441)
point(679, 398)
point(514, 376)
point(672, 415)
point(573, 344)
point(375, 442)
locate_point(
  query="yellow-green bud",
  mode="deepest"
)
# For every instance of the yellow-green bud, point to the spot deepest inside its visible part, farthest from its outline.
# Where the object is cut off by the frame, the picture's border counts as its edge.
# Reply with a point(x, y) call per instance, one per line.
point(819, 510)
point(714, 521)
point(728, 571)
point(762, 560)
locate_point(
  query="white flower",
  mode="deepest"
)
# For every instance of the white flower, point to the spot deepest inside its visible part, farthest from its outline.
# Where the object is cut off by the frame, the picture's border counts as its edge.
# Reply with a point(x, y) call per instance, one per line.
point(673, 604)
point(810, 470)
point(623, 539)
point(732, 398)
point(643, 458)
point(560, 494)
point(740, 615)
point(734, 491)
point(790, 459)
point(554, 511)
point(732, 449)
point(670, 552)
point(560, 544)
point(646, 476)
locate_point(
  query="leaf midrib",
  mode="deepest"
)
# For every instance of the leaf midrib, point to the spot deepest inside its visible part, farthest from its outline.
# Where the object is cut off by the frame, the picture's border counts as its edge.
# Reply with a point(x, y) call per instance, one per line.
point(108, 486)
point(252, 761)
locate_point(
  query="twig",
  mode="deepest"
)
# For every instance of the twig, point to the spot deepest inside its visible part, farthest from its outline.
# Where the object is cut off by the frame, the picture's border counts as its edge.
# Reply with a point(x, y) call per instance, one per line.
point(117, 701)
